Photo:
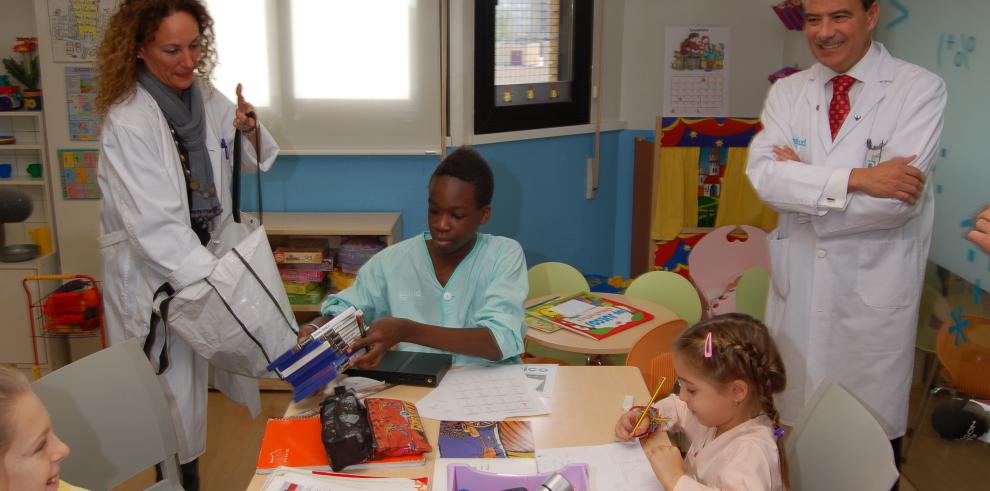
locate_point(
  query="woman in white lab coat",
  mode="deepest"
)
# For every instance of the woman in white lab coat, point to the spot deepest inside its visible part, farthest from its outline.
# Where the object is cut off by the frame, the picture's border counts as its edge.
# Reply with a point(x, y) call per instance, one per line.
point(165, 175)
point(848, 266)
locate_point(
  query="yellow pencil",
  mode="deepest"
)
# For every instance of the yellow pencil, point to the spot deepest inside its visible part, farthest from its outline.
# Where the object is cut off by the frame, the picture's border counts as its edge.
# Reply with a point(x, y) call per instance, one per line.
point(647, 409)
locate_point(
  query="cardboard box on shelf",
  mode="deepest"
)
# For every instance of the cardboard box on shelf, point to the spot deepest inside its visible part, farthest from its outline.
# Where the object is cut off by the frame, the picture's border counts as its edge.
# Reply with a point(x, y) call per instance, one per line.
point(302, 251)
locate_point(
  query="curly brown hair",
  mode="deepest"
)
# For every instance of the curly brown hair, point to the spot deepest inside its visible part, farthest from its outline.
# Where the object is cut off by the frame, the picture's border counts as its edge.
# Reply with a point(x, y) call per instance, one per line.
point(135, 24)
point(742, 349)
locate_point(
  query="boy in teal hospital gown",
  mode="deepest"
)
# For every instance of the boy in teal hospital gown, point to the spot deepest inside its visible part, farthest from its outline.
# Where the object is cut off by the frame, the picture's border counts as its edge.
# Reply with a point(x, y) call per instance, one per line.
point(449, 290)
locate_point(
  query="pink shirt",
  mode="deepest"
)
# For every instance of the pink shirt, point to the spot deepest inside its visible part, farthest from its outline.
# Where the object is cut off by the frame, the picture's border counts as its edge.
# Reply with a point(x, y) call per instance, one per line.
point(743, 458)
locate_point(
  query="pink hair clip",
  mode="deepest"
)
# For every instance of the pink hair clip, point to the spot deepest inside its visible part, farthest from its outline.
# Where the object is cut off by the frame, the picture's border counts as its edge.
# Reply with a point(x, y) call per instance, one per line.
point(708, 345)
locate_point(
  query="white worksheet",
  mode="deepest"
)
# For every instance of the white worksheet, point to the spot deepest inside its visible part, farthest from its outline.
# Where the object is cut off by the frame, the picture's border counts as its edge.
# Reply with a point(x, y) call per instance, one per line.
point(614, 466)
point(483, 394)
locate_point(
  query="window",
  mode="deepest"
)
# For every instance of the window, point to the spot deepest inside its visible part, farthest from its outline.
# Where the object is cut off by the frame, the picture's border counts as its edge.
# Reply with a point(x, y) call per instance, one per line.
point(336, 76)
point(532, 64)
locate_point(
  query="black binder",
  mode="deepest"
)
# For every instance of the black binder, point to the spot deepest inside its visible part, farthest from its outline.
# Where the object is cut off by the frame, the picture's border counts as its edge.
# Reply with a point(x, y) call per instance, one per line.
point(408, 368)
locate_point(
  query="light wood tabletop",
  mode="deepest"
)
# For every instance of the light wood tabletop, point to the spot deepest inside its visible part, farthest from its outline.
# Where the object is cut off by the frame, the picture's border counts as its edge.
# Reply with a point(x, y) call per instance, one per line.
point(586, 403)
point(620, 343)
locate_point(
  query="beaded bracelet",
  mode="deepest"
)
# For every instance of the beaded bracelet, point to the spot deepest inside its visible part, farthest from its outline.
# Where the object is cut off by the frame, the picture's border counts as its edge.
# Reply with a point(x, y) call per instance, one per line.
point(656, 421)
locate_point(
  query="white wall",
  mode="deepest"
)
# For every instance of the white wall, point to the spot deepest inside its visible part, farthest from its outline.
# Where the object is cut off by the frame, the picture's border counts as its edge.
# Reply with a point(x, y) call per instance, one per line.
point(76, 221)
point(757, 50)
point(796, 51)
point(16, 21)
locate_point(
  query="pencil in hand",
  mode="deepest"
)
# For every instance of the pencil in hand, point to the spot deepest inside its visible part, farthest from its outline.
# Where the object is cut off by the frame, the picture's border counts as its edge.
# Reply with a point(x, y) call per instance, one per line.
point(646, 411)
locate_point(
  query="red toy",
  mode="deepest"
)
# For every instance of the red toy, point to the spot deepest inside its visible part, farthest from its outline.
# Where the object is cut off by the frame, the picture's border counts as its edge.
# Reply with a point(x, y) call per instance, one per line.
point(74, 309)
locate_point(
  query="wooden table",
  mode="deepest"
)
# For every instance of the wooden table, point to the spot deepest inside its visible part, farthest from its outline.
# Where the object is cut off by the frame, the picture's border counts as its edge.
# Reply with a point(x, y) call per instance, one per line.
point(620, 343)
point(585, 405)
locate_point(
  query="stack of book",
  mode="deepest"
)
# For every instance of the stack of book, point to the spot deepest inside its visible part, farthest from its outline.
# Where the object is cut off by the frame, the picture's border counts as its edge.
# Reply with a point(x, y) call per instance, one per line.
point(318, 359)
point(304, 265)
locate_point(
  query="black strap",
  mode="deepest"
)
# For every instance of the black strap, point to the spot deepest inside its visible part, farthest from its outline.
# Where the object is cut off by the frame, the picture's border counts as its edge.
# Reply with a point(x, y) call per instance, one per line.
point(235, 188)
point(163, 361)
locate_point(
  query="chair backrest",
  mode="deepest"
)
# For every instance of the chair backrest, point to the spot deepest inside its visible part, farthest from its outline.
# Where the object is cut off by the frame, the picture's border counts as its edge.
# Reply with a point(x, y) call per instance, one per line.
point(553, 277)
point(651, 353)
point(966, 360)
point(715, 263)
point(752, 291)
point(670, 290)
point(838, 444)
point(111, 410)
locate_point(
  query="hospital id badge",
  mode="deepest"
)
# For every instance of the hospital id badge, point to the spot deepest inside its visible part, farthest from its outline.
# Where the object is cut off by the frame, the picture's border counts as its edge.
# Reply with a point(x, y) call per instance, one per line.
point(874, 153)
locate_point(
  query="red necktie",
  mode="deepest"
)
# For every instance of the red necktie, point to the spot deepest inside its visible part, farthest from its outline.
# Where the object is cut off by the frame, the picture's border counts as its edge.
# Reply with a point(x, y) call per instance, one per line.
point(838, 109)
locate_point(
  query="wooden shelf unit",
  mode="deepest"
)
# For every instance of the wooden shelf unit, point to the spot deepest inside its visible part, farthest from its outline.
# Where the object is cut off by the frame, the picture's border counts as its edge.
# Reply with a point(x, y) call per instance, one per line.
point(28, 127)
point(387, 226)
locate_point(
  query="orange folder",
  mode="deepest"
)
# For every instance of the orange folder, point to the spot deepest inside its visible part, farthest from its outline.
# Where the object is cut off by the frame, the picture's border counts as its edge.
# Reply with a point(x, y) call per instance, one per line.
point(296, 442)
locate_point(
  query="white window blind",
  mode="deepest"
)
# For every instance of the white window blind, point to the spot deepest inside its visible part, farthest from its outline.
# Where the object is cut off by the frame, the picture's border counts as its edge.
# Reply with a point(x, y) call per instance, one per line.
point(335, 76)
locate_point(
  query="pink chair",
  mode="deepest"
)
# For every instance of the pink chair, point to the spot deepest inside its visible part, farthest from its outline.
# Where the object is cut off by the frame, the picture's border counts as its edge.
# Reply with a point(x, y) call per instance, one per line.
point(716, 264)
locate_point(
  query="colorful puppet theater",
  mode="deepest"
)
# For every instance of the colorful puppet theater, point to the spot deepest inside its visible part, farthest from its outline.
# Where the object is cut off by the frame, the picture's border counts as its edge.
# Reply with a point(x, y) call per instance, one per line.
point(702, 184)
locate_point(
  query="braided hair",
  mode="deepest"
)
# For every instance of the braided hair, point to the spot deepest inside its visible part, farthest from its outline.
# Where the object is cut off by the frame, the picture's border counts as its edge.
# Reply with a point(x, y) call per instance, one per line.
point(741, 349)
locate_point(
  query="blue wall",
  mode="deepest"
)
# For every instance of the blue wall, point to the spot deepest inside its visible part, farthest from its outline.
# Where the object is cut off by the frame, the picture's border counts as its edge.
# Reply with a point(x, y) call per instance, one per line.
point(539, 194)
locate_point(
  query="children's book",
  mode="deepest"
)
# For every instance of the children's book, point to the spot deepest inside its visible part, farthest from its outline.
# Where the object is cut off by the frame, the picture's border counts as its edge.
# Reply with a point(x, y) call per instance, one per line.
point(486, 439)
point(541, 324)
point(590, 315)
point(296, 442)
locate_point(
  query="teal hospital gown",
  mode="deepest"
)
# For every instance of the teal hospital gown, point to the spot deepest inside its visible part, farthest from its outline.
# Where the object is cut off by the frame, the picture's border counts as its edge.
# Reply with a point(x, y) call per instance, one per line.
point(487, 290)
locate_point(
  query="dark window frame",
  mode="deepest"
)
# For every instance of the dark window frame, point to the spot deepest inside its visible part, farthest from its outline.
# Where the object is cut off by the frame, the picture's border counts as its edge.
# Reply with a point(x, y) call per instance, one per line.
point(489, 118)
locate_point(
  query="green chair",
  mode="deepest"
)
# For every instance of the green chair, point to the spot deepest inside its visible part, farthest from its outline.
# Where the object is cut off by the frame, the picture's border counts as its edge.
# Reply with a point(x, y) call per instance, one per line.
point(751, 292)
point(547, 278)
point(670, 290)
point(553, 277)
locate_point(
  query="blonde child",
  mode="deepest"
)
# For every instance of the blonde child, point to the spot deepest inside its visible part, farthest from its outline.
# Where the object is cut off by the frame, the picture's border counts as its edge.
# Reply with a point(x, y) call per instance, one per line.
point(729, 369)
point(30, 453)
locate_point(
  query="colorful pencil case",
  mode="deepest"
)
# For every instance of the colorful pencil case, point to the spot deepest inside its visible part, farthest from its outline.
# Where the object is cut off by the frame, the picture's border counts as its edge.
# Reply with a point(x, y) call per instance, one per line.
point(396, 428)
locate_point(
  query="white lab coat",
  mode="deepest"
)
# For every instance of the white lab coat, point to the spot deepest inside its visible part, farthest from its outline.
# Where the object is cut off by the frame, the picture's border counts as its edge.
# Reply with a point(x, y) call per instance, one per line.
point(146, 240)
point(847, 268)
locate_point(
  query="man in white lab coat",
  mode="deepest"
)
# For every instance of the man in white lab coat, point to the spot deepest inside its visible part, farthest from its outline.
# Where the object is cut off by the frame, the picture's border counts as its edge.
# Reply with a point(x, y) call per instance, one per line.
point(845, 155)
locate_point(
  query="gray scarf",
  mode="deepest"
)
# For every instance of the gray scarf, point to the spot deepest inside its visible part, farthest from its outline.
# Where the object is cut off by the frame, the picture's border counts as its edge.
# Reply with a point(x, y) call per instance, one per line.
point(188, 125)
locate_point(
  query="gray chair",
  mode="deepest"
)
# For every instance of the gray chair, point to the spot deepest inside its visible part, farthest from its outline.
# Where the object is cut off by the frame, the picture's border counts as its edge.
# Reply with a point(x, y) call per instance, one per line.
point(111, 410)
point(838, 444)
